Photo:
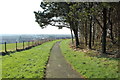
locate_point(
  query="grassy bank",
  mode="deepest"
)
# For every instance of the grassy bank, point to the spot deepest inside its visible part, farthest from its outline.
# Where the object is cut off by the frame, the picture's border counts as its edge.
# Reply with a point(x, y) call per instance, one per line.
point(27, 64)
point(90, 67)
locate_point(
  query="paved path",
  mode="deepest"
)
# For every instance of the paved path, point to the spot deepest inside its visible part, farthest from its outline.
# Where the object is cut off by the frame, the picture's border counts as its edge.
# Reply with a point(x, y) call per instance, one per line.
point(57, 66)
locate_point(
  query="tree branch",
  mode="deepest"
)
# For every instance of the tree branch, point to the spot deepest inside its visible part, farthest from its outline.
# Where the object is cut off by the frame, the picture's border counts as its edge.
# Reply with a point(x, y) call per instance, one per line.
point(98, 22)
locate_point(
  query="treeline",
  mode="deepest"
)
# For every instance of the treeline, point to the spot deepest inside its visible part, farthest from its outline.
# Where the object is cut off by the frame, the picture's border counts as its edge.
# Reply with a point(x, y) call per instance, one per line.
point(89, 21)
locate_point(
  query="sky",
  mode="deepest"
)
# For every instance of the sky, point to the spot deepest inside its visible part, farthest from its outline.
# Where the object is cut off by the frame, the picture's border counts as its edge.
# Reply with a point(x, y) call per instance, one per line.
point(17, 17)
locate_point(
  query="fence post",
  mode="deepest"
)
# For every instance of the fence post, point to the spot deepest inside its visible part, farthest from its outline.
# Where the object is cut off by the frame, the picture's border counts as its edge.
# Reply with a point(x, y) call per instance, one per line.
point(35, 43)
point(39, 42)
point(23, 44)
point(28, 44)
point(32, 43)
point(5, 48)
point(16, 45)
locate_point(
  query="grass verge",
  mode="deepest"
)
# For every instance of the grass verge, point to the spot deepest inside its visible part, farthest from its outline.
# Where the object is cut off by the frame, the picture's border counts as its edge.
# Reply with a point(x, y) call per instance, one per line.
point(88, 66)
point(27, 64)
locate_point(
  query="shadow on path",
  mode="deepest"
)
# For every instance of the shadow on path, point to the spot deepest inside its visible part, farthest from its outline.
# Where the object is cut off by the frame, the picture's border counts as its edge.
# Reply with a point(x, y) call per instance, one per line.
point(57, 66)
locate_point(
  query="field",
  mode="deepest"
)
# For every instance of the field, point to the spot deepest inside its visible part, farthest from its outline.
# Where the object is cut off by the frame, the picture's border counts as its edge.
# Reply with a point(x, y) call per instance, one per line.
point(12, 46)
point(27, 64)
point(88, 66)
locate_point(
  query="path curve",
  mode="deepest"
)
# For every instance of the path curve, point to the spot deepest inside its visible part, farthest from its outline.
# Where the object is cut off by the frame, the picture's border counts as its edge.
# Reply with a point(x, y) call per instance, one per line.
point(57, 66)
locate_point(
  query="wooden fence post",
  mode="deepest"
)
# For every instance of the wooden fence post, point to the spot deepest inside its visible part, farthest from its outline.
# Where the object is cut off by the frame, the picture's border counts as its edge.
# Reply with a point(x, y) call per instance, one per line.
point(32, 43)
point(16, 45)
point(28, 44)
point(39, 42)
point(5, 48)
point(23, 44)
point(35, 43)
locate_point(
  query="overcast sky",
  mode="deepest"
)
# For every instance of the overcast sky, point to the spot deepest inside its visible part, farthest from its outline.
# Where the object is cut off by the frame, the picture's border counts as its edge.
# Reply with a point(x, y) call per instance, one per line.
point(17, 17)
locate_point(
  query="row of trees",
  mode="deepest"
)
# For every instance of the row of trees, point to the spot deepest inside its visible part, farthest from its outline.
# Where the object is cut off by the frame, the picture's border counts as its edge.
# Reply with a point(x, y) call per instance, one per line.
point(90, 21)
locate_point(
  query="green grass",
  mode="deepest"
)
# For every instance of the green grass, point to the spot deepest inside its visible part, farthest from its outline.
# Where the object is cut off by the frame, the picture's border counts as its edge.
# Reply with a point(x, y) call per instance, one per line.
point(90, 67)
point(0, 67)
point(27, 64)
point(12, 46)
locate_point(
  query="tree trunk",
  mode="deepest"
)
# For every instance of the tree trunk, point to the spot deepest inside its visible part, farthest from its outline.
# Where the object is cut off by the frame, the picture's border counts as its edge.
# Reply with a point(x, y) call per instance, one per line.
point(75, 31)
point(93, 38)
point(72, 36)
point(111, 32)
point(111, 26)
point(90, 27)
point(104, 30)
point(76, 37)
point(90, 33)
point(86, 33)
point(118, 36)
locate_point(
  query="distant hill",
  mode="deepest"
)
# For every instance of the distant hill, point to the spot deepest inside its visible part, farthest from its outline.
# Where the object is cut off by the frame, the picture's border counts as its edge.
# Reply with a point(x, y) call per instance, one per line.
point(12, 38)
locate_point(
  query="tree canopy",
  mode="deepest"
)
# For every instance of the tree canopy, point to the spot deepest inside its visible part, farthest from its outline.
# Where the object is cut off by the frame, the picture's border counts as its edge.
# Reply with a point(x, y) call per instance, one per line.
point(87, 20)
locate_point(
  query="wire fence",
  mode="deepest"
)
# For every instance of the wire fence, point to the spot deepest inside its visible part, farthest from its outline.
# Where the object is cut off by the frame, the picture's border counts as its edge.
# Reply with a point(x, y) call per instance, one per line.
point(11, 47)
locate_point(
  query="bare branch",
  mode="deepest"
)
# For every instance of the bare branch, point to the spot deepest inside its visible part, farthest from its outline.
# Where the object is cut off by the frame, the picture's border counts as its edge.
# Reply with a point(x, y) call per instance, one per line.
point(98, 22)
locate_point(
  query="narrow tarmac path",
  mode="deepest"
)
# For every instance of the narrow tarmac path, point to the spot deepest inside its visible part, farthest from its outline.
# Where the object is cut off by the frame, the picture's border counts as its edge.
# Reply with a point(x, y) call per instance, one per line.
point(57, 66)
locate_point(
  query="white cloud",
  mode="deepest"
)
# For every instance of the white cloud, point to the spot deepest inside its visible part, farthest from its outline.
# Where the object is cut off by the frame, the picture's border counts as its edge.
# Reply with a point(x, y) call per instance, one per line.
point(17, 17)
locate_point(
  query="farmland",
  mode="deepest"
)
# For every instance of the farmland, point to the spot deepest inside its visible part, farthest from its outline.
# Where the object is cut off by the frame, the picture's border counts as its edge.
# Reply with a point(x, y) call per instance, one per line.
point(29, 40)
